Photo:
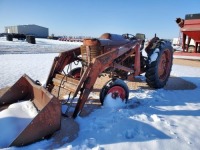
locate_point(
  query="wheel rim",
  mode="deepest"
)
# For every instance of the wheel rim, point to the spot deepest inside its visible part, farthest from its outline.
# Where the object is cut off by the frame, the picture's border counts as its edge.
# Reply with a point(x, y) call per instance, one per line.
point(117, 91)
point(164, 65)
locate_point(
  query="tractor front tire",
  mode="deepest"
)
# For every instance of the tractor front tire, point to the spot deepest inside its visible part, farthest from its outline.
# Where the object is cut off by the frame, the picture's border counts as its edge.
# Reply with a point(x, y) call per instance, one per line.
point(115, 87)
point(159, 65)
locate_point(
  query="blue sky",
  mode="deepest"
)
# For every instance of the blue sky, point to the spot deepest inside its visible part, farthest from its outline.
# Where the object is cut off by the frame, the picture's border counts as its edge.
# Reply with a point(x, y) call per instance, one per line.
point(95, 17)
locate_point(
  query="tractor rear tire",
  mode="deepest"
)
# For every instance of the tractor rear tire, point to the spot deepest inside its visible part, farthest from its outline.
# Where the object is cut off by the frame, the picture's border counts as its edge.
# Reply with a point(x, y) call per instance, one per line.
point(159, 65)
point(112, 86)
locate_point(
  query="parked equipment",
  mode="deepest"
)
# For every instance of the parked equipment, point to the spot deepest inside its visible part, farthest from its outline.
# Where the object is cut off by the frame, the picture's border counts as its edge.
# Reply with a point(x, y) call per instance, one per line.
point(9, 37)
point(190, 28)
point(30, 39)
point(119, 56)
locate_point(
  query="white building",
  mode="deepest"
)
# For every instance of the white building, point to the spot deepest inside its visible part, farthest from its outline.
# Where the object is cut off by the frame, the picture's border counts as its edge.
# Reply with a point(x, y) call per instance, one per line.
point(32, 29)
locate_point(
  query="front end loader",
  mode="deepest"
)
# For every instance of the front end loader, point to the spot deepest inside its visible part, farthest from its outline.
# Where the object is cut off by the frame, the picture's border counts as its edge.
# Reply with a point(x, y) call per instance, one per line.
point(74, 73)
point(47, 105)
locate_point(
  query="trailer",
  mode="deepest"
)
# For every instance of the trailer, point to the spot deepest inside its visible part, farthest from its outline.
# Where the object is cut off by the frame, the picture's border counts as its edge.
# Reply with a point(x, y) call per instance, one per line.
point(190, 29)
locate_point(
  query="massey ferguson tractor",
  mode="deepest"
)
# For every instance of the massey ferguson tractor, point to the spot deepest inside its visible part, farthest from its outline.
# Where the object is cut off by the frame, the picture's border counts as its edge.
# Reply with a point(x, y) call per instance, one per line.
point(74, 73)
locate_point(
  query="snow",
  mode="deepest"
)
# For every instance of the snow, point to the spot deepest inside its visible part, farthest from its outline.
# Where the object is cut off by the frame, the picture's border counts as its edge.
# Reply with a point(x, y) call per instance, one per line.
point(41, 46)
point(152, 119)
point(154, 55)
point(31, 62)
point(110, 102)
point(177, 48)
point(13, 121)
point(13, 66)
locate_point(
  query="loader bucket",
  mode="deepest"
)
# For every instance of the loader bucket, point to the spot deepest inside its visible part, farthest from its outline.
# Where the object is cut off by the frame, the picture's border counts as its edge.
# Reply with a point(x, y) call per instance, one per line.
point(48, 119)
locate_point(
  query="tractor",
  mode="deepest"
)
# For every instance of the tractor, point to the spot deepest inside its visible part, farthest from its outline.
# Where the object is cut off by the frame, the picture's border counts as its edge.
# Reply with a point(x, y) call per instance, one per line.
point(74, 73)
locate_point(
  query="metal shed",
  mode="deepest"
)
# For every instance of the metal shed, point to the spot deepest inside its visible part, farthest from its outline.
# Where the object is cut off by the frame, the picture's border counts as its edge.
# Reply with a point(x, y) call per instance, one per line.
point(32, 29)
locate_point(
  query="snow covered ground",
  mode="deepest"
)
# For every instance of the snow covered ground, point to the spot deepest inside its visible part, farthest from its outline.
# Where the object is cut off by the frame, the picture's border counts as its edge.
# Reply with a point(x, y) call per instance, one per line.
point(41, 46)
point(152, 119)
point(177, 48)
point(31, 62)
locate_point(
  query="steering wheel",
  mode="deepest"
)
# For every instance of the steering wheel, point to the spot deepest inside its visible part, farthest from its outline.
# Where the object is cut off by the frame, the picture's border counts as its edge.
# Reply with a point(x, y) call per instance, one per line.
point(129, 36)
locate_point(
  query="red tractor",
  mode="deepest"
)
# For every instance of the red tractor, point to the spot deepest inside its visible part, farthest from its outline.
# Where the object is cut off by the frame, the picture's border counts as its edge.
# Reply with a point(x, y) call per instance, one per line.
point(119, 56)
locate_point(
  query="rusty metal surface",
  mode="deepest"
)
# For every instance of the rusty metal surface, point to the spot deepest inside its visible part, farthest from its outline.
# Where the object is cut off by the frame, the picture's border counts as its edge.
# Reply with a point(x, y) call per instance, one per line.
point(21, 90)
point(90, 52)
point(64, 82)
point(91, 42)
point(97, 55)
point(101, 54)
point(99, 64)
point(59, 63)
point(46, 122)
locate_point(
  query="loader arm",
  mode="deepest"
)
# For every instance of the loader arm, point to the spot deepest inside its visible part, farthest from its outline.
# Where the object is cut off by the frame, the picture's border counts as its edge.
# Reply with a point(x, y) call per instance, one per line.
point(59, 64)
point(98, 65)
